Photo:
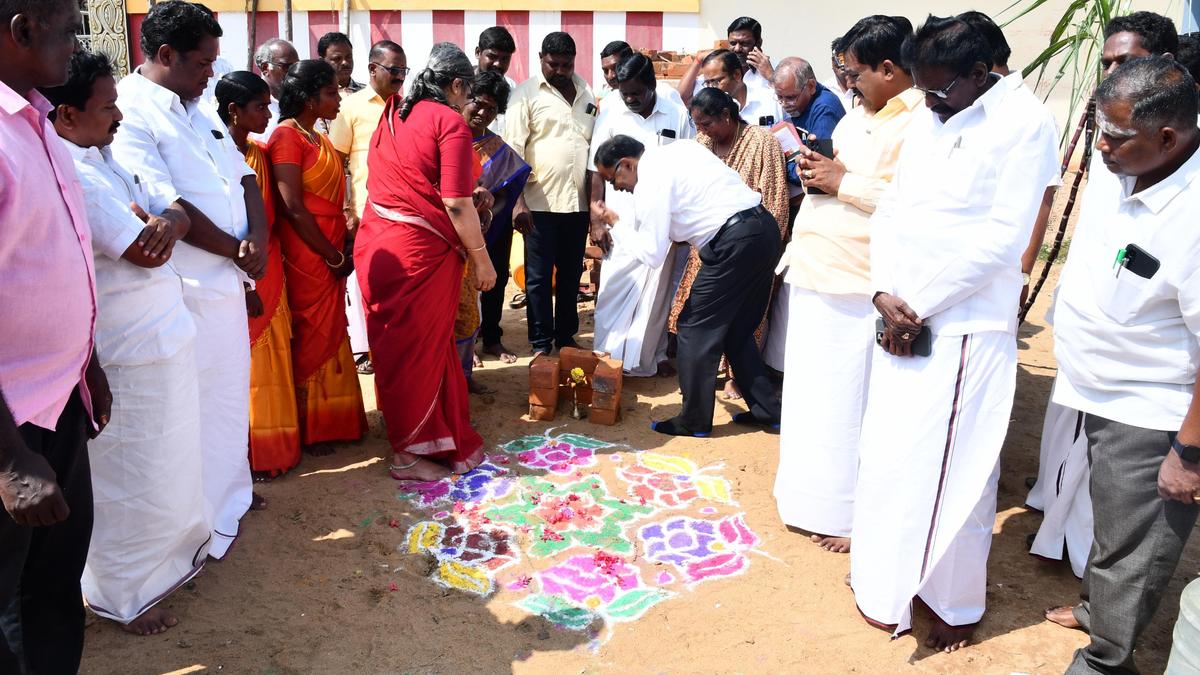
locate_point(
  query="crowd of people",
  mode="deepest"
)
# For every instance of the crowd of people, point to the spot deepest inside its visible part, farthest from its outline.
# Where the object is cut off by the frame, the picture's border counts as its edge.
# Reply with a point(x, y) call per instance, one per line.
point(227, 253)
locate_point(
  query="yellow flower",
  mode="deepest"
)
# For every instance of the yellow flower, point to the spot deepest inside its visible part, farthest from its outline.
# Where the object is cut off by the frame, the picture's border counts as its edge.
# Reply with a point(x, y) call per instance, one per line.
point(578, 376)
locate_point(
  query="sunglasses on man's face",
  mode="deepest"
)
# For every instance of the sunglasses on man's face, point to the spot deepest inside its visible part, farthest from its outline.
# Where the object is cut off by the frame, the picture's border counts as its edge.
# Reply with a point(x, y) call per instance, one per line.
point(943, 93)
point(395, 71)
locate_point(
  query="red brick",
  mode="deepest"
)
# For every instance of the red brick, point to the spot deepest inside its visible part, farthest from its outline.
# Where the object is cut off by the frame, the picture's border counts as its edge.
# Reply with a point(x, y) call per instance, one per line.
point(605, 401)
point(584, 395)
point(570, 358)
point(543, 372)
point(605, 417)
point(541, 413)
point(547, 397)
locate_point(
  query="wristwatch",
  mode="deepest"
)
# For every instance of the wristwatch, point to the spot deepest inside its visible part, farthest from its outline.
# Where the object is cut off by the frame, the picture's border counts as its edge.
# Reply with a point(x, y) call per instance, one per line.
point(1025, 278)
point(1188, 453)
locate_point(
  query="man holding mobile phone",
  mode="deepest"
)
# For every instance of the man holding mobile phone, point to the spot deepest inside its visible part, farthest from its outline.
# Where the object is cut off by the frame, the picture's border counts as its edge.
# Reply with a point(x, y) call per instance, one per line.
point(945, 256)
point(826, 269)
point(1127, 341)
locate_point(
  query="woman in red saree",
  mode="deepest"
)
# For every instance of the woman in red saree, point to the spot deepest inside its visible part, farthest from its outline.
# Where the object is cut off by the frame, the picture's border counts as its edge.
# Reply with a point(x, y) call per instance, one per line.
point(417, 231)
point(243, 101)
point(312, 233)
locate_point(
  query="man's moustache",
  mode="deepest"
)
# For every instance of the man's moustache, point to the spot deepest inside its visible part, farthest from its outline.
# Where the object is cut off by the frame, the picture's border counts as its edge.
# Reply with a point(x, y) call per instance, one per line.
point(115, 126)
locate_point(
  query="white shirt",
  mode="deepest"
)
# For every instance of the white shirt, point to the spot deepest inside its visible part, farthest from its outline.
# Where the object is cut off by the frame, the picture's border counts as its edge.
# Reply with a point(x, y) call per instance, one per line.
point(684, 193)
point(182, 151)
point(846, 96)
point(760, 98)
point(616, 119)
point(141, 318)
point(948, 235)
point(1128, 348)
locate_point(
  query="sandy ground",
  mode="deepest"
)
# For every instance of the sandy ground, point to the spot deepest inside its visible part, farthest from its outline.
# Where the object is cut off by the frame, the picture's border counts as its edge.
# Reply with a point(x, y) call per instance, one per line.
point(308, 587)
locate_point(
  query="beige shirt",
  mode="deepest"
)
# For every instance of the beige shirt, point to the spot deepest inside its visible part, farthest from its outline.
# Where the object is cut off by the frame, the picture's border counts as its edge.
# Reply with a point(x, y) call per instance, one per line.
point(351, 135)
point(830, 247)
point(553, 136)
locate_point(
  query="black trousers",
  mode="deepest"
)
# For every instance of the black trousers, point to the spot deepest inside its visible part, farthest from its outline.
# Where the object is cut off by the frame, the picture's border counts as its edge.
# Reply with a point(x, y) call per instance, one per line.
point(727, 302)
point(492, 302)
point(556, 241)
point(41, 606)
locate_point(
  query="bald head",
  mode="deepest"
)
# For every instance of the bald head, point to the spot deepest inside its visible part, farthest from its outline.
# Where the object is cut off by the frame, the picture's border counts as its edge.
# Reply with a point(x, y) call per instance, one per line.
point(795, 85)
point(273, 59)
point(794, 71)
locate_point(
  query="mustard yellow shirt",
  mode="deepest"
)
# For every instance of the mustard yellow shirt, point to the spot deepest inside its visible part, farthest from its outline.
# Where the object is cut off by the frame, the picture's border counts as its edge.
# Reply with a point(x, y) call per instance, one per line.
point(351, 135)
point(553, 136)
point(830, 247)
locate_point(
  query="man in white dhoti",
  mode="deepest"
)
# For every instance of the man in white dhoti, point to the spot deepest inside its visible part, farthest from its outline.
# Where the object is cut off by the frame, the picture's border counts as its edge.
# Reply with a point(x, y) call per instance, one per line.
point(1127, 341)
point(827, 279)
point(182, 152)
point(946, 246)
point(635, 299)
point(151, 532)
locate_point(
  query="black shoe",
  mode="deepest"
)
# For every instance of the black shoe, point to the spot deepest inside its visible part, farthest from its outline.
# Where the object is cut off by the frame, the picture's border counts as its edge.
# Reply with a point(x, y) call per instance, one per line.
point(748, 419)
point(672, 427)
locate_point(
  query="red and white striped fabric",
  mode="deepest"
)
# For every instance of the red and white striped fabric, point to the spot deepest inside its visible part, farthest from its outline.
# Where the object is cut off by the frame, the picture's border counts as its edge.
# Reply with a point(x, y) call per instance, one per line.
point(418, 30)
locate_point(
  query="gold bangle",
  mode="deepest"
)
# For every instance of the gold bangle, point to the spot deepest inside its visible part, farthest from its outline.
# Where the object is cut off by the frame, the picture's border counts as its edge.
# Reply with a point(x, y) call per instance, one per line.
point(340, 262)
point(479, 248)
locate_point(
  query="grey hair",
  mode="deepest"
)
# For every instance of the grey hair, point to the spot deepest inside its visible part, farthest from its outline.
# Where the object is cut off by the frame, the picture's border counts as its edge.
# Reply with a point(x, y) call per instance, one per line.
point(795, 67)
point(262, 55)
point(446, 64)
point(1159, 91)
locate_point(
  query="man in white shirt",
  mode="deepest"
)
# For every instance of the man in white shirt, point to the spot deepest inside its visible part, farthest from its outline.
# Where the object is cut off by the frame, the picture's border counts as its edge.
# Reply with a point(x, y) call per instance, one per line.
point(273, 58)
point(945, 255)
point(494, 52)
point(1127, 341)
point(1061, 491)
point(684, 193)
point(634, 301)
point(744, 36)
point(758, 104)
point(839, 83)
point(150, 531)
point(182, 151)
point(827, 274)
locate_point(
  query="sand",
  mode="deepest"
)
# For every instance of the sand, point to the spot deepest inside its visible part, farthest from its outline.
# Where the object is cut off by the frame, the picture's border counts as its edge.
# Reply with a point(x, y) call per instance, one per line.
point(320, 582)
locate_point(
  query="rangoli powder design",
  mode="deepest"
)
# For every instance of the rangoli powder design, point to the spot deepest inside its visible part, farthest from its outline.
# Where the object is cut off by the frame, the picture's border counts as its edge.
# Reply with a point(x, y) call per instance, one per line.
point(579, 542)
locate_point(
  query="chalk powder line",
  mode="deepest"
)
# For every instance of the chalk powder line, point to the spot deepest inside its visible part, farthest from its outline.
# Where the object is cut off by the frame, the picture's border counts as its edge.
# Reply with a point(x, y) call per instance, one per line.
point(578, 541)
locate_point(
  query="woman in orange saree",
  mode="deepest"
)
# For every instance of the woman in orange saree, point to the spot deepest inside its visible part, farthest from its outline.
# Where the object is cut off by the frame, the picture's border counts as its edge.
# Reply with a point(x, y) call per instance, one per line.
point(243, 100)
point(311, 229)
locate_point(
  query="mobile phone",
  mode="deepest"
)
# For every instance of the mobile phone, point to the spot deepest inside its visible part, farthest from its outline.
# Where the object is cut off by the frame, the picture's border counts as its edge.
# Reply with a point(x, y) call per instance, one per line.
point(921, 346)
point(1139, 262)
point(591, 109)
point(766, 121)
point(821, 146)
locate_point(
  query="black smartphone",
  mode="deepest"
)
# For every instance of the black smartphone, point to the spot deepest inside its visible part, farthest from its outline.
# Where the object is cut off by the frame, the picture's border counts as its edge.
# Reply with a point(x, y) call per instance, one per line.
point(1139, 262)
point(921, 346)
point(821, 146)
point(591, 109)
point(766, 121)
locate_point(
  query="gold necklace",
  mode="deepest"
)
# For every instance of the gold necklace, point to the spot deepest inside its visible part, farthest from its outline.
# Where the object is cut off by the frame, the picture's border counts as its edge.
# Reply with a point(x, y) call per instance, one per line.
point(737, 136)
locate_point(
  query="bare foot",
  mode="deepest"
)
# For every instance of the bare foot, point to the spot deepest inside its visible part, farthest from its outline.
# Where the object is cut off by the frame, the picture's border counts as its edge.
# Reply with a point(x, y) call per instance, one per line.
point(152, 622)
point(832, 544)
point(732, 393)
point(319, 449)
point(1063, 616)
point(946, 638)
point(476, 362)
point(476, 387)
point(423, 470)
point(501, 352)
point(665, 369)
point(257, 502)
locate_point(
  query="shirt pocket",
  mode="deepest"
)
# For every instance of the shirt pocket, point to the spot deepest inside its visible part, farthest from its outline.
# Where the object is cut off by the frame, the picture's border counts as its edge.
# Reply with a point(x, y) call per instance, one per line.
point(1122, 296)
point(965, 178)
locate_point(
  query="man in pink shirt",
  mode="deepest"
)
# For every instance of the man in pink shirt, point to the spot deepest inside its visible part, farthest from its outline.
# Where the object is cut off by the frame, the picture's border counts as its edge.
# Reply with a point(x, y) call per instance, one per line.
point(51, 388)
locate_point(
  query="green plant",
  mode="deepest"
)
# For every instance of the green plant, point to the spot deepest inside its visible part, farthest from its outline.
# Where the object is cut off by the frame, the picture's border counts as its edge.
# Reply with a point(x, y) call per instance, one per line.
point(1074, 49)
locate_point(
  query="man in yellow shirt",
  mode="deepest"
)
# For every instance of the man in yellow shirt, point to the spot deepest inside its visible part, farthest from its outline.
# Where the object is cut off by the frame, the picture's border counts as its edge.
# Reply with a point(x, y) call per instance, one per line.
point(351, 135)
point(830, 340)
point(549, 124)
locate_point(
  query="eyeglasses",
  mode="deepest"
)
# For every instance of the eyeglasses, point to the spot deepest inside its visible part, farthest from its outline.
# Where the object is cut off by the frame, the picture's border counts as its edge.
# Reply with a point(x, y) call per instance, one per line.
point(282, 65)
point(716, 81)
point(943, 93)
point(392, 70)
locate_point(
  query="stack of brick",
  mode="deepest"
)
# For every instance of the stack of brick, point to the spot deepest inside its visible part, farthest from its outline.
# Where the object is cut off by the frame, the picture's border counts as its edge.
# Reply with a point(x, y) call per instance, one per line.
point(669, 65)
point(549, 381)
